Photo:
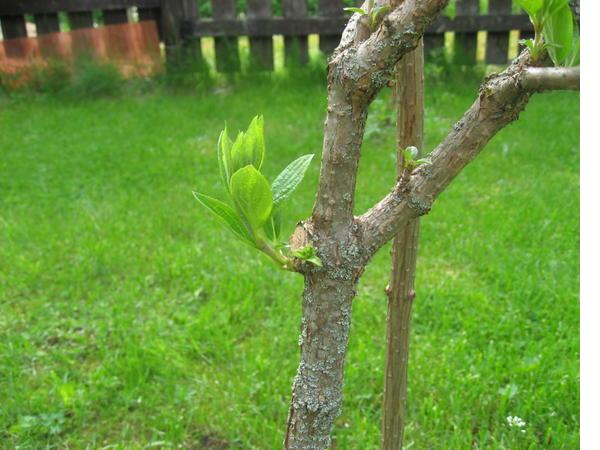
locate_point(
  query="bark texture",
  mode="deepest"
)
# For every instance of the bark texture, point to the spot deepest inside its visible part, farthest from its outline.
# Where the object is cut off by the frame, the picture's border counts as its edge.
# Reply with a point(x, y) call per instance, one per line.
point(401, 290)
point(317, 391)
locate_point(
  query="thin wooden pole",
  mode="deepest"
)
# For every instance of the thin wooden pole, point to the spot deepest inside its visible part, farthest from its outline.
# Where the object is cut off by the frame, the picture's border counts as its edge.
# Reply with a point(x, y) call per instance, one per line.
point(401, 290)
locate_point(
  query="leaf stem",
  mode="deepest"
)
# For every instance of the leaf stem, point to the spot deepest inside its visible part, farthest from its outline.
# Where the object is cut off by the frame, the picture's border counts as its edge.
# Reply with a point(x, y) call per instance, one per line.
point(281, 260)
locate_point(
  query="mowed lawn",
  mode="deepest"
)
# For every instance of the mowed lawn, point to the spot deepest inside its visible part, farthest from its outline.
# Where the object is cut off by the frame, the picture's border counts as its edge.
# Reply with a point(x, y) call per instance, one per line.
point(130, 319)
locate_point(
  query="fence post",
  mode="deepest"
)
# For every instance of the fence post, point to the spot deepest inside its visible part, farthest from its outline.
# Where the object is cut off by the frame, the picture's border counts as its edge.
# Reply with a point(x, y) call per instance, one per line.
point(466, 43)
point(296, 47)
point(150, 14)
point(13, 27)
point(226, 48)
point(169, 29)
point(81, 19)
point(191, 46)
point(46, 24)
point(330, 8)
point(433, 44)
point(261, 47)
point(496, 51)
point(114, 16)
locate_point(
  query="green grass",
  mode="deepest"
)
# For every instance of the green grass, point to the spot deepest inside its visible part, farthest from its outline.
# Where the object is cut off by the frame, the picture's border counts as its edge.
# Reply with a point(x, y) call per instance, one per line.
point(130, 318)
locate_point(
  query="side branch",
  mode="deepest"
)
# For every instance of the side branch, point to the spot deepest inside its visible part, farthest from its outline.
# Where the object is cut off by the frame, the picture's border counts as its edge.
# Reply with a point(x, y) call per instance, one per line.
point(538, 79)
point(501, 98)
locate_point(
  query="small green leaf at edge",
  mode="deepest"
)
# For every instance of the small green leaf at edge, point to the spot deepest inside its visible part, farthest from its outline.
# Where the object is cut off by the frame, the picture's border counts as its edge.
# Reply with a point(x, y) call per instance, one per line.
point(377, 11)
point(531, 7)
point(252, 196)
point(559, 33)
point(273, 226)
point(255, 138)
point(409, 153)
point(307, 253)
point(356, 10)
point(224, 157)
point(227, 215)
point(316, 261)
point(289, 178)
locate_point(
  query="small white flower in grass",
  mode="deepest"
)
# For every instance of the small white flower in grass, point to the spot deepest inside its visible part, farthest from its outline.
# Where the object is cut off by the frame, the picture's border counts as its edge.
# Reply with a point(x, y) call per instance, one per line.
point(517, 422)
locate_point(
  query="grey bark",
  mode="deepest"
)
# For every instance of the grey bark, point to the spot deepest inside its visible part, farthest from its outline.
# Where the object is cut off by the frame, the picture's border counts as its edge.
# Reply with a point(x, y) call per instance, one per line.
point(358, 69)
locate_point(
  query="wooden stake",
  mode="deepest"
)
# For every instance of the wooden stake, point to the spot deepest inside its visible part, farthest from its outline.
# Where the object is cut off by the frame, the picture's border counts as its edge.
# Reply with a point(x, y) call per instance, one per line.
point(401, 290)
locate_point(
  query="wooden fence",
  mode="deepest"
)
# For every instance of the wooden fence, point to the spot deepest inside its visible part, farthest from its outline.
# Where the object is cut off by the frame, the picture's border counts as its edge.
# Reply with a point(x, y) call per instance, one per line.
point(181, 27)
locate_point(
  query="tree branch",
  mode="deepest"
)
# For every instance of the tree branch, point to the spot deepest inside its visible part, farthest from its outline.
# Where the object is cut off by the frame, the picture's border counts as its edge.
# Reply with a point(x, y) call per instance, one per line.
point(356, 72)
point(501, 98)
point(538, 79)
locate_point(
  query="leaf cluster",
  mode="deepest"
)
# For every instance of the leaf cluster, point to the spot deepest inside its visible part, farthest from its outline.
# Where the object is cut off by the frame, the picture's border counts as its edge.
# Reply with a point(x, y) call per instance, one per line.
point(555, 31)
point(253, 211)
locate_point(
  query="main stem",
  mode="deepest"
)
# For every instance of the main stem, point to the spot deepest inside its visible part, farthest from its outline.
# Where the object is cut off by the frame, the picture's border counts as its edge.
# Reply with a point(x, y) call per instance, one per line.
point(329, 290)
point(410, 106)
point(317, 390)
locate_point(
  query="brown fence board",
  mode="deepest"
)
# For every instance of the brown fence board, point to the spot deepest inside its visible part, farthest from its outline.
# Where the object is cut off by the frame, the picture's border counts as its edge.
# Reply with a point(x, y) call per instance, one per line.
point(150, 14)
point(496, 49)
point(81, 19)
point(261, 47)
point(47, 23)
point(114, 16)
point(433, 43)
point(226, 48)
point(14, 8)
point(466, 41)
point(296, 47)
point(333, 9)
point(13, 27)
point(180, 29)
point(141, 55)
point(191, 45)
point(332, 26)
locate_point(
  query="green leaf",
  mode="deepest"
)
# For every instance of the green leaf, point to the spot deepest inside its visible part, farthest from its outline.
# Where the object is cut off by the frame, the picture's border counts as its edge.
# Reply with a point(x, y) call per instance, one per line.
point(273, 226)
point(356, 10)
point(252, 196)
point(316, 261)
point(552, 6)
point(528, 43)
point(532, 7)
point(410, 153)
point(573, 56)
point(378, 11)
point(255, 141)
point(559, 34)
point(224, 157)
point(289, 178)
point(249, 147)
point(227, 216)
point(307, 253)
point(239, 156)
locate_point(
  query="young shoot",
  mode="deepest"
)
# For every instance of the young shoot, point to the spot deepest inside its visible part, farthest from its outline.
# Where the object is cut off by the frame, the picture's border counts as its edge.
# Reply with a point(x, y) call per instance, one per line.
point(374, 13)
point(253, 210)
point(555, 31)
point(410, 161)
